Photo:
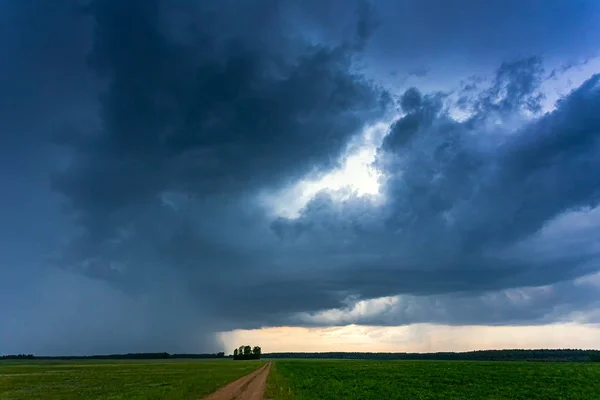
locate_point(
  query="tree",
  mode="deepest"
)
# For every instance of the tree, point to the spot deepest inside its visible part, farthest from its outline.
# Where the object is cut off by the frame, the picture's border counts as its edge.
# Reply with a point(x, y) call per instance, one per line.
point(247, 352)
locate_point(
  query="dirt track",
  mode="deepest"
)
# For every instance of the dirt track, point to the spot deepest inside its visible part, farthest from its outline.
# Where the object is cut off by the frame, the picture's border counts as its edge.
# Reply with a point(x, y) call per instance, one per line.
point(249, 387)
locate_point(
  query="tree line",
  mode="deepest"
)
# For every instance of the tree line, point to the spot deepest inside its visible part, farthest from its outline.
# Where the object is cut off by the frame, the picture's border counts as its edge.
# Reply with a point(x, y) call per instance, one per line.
point(127, 356)
point(479, 355)
point(245, 352)
point(248, 353)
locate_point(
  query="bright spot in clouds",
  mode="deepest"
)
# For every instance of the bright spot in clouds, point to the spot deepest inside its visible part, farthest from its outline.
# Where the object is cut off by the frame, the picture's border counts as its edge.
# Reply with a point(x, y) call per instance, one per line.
point(566, 80)
point(356, 173)
point(359, 175)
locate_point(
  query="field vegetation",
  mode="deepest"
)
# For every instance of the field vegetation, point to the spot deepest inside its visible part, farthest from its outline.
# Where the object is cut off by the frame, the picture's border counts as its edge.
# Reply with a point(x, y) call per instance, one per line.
point(456, 380)
point(117, 379)
point(299, 379)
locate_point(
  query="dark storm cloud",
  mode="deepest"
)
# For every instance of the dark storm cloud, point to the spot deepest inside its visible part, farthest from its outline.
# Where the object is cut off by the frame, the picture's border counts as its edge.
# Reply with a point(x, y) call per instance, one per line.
point(529, 306)
point(43, 72)
point(194, 123)
point(176, 117)
point(217, 118)
point(461, 196)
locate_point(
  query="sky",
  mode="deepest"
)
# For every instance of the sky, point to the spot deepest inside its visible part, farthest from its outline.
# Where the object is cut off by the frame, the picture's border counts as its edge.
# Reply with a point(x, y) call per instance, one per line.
point(306, 176)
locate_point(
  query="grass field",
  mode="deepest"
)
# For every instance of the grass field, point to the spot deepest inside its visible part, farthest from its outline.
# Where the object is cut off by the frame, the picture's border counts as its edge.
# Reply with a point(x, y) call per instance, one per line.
point(159, 379)
point(376, 380)
point(301, 379)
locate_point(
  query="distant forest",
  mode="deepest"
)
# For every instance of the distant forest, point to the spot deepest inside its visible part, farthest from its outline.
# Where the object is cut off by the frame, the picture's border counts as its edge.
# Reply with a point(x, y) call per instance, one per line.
point(481, 355)
point(128, 356)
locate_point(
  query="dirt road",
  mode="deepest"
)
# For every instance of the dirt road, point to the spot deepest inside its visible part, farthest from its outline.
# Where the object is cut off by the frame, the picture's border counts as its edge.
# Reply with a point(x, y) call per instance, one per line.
point(249, 387)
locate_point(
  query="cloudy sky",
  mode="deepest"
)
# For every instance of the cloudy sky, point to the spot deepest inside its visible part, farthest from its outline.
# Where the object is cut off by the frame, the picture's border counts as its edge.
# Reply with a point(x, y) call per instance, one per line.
point(319, 175)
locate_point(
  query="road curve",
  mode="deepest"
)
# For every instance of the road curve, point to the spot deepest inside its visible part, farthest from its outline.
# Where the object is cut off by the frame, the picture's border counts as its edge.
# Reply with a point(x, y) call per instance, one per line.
point(249, 387)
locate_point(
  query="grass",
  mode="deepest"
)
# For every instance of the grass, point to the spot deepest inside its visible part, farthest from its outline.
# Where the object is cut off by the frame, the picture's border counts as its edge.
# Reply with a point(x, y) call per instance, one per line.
point(147, 379)
point(376, 380)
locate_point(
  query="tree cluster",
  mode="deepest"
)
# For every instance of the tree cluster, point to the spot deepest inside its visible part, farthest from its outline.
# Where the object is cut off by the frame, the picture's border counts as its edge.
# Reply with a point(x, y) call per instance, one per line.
point(247, 353)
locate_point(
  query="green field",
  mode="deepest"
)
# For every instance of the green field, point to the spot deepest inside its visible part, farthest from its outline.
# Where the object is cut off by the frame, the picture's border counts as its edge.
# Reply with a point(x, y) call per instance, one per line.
point(376, 380)
point(148, 379)
point(301, 379)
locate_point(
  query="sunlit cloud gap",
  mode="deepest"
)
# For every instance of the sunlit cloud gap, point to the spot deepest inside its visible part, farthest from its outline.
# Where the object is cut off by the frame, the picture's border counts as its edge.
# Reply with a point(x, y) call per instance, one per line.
point(358, 174)
point(360, 177)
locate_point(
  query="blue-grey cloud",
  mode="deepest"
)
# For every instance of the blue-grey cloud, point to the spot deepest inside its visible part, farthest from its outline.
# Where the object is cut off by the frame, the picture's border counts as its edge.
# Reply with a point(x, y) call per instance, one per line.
point(461, 196)
point(525, 306)
point(475, 173)
point(159, 125)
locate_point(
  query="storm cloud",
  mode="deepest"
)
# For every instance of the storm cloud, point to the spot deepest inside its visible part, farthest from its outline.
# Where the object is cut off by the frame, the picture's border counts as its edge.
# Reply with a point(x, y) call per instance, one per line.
point(160, 127)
